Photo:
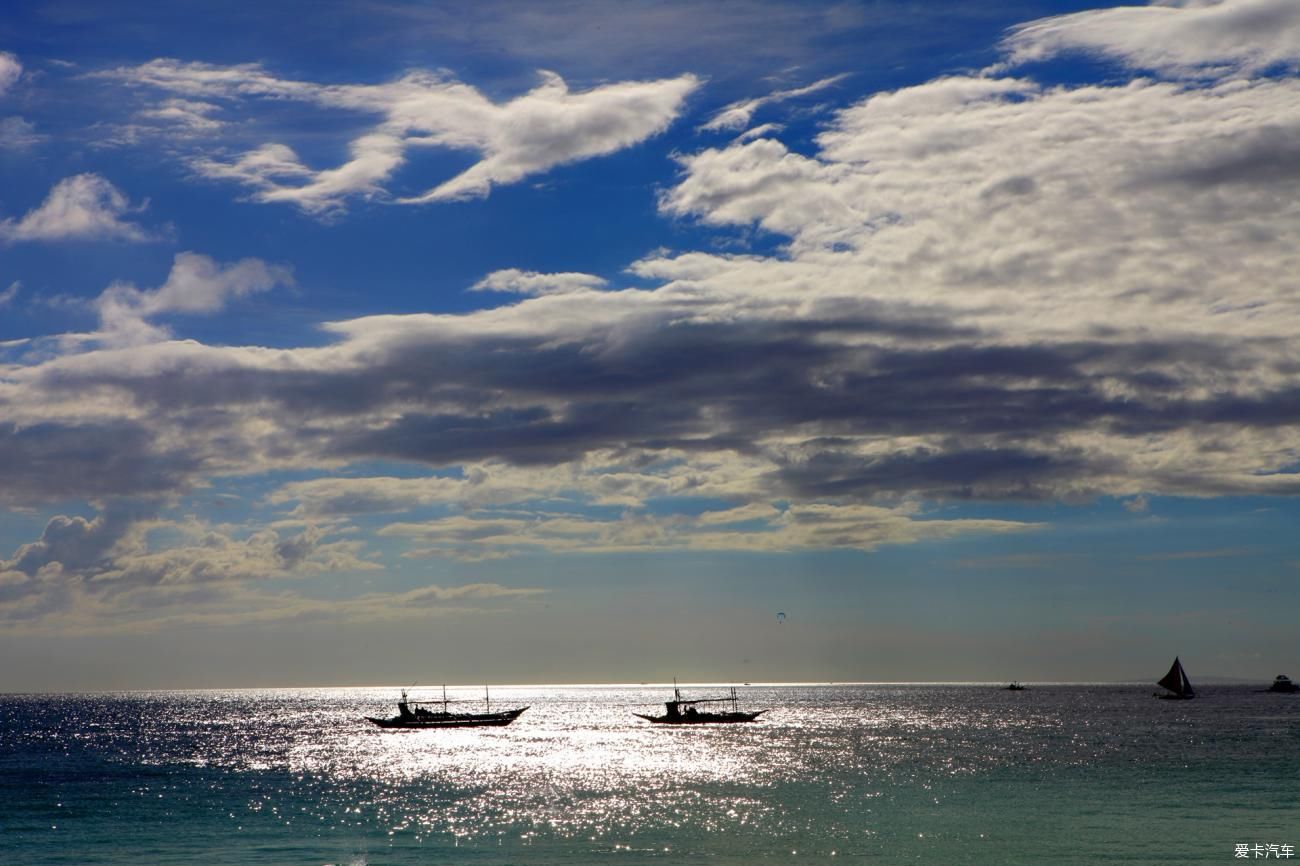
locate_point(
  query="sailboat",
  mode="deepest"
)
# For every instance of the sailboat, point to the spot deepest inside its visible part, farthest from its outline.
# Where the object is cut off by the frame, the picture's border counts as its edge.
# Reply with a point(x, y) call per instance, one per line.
point(1180, 688)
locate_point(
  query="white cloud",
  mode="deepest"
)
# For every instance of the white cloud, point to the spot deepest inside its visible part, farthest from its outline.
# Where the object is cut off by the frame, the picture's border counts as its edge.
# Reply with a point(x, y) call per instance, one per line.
point(738, 114)
point(7, 296)
point(262, 168)
point(528, 135)
point(10, 71)
point(1190, 37)
point(19, 134)
point(549, 126)
point(520, 282)
point(84, 206)
point(195, 284)
point(1138, 504)
point(764, 130)
point(189, 115)
point(762, 182)
point(206, 81)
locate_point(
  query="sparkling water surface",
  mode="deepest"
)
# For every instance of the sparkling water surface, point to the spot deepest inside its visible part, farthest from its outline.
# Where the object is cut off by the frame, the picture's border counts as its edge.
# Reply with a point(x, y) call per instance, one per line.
point(961, 774)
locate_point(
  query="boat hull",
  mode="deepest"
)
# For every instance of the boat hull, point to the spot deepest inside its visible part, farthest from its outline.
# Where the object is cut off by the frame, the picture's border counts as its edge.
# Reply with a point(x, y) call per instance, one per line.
point(702, 718)
point(449, 720)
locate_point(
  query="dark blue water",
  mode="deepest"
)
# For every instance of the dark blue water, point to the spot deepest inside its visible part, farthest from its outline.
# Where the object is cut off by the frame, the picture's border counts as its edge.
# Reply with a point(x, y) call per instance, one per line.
point(956, 774)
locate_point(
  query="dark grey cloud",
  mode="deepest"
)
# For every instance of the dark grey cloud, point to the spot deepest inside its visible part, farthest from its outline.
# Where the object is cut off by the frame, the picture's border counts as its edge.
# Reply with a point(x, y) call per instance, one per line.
point(1266, 156)
point(707, 386)
point(74, 543)
point(995, 473)
point(52, 460)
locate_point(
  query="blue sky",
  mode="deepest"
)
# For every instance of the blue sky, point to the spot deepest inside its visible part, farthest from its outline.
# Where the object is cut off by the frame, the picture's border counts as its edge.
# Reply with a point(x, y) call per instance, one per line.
point(378, 342)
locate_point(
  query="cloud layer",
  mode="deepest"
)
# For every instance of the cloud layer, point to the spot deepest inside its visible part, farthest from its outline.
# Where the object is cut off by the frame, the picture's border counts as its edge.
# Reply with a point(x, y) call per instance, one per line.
point(981, 288)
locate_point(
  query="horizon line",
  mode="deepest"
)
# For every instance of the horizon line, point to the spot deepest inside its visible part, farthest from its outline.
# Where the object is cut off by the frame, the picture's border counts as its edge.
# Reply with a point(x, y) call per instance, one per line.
point(1216, 680)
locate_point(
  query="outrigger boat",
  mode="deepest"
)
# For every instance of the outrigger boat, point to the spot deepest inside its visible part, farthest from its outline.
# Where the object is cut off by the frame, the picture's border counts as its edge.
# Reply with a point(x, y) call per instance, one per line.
point(413, 714)
point(675, 714)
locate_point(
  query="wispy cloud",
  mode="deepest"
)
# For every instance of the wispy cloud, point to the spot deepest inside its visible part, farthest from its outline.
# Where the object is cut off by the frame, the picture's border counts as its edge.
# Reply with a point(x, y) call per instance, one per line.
point(738, 114)
point(189, 115)
point(1220, 553)
point(801, 527)
point(17, 133)
point(10, 71)
point(1035, 561)
point(546, 127)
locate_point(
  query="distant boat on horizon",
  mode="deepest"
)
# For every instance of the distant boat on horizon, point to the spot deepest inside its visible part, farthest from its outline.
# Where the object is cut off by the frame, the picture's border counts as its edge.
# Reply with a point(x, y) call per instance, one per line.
point(1015, 686)
point(1282, 684)
point(416, 714)
point(1180, 688)
point(674, 714)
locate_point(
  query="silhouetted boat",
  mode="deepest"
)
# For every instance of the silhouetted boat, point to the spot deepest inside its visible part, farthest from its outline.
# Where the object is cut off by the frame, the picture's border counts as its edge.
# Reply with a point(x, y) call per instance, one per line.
point(674, 713)
point(1283, 685)
point(1015, 687)
point(1180, 688)
point(412, 714)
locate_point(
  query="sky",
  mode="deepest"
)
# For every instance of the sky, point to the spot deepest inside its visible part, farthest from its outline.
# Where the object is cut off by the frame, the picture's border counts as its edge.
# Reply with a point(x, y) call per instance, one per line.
point(349, 343)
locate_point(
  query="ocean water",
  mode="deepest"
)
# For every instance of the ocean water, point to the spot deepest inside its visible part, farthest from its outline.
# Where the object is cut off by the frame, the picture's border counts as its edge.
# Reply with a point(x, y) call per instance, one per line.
point(881, 774)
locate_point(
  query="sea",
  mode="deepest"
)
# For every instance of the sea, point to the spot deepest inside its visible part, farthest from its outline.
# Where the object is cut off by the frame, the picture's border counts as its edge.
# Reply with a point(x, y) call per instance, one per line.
point(855, 773)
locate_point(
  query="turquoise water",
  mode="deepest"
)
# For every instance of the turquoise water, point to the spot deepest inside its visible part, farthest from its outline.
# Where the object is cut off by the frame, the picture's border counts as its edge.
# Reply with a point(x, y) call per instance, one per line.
point(951, 774)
